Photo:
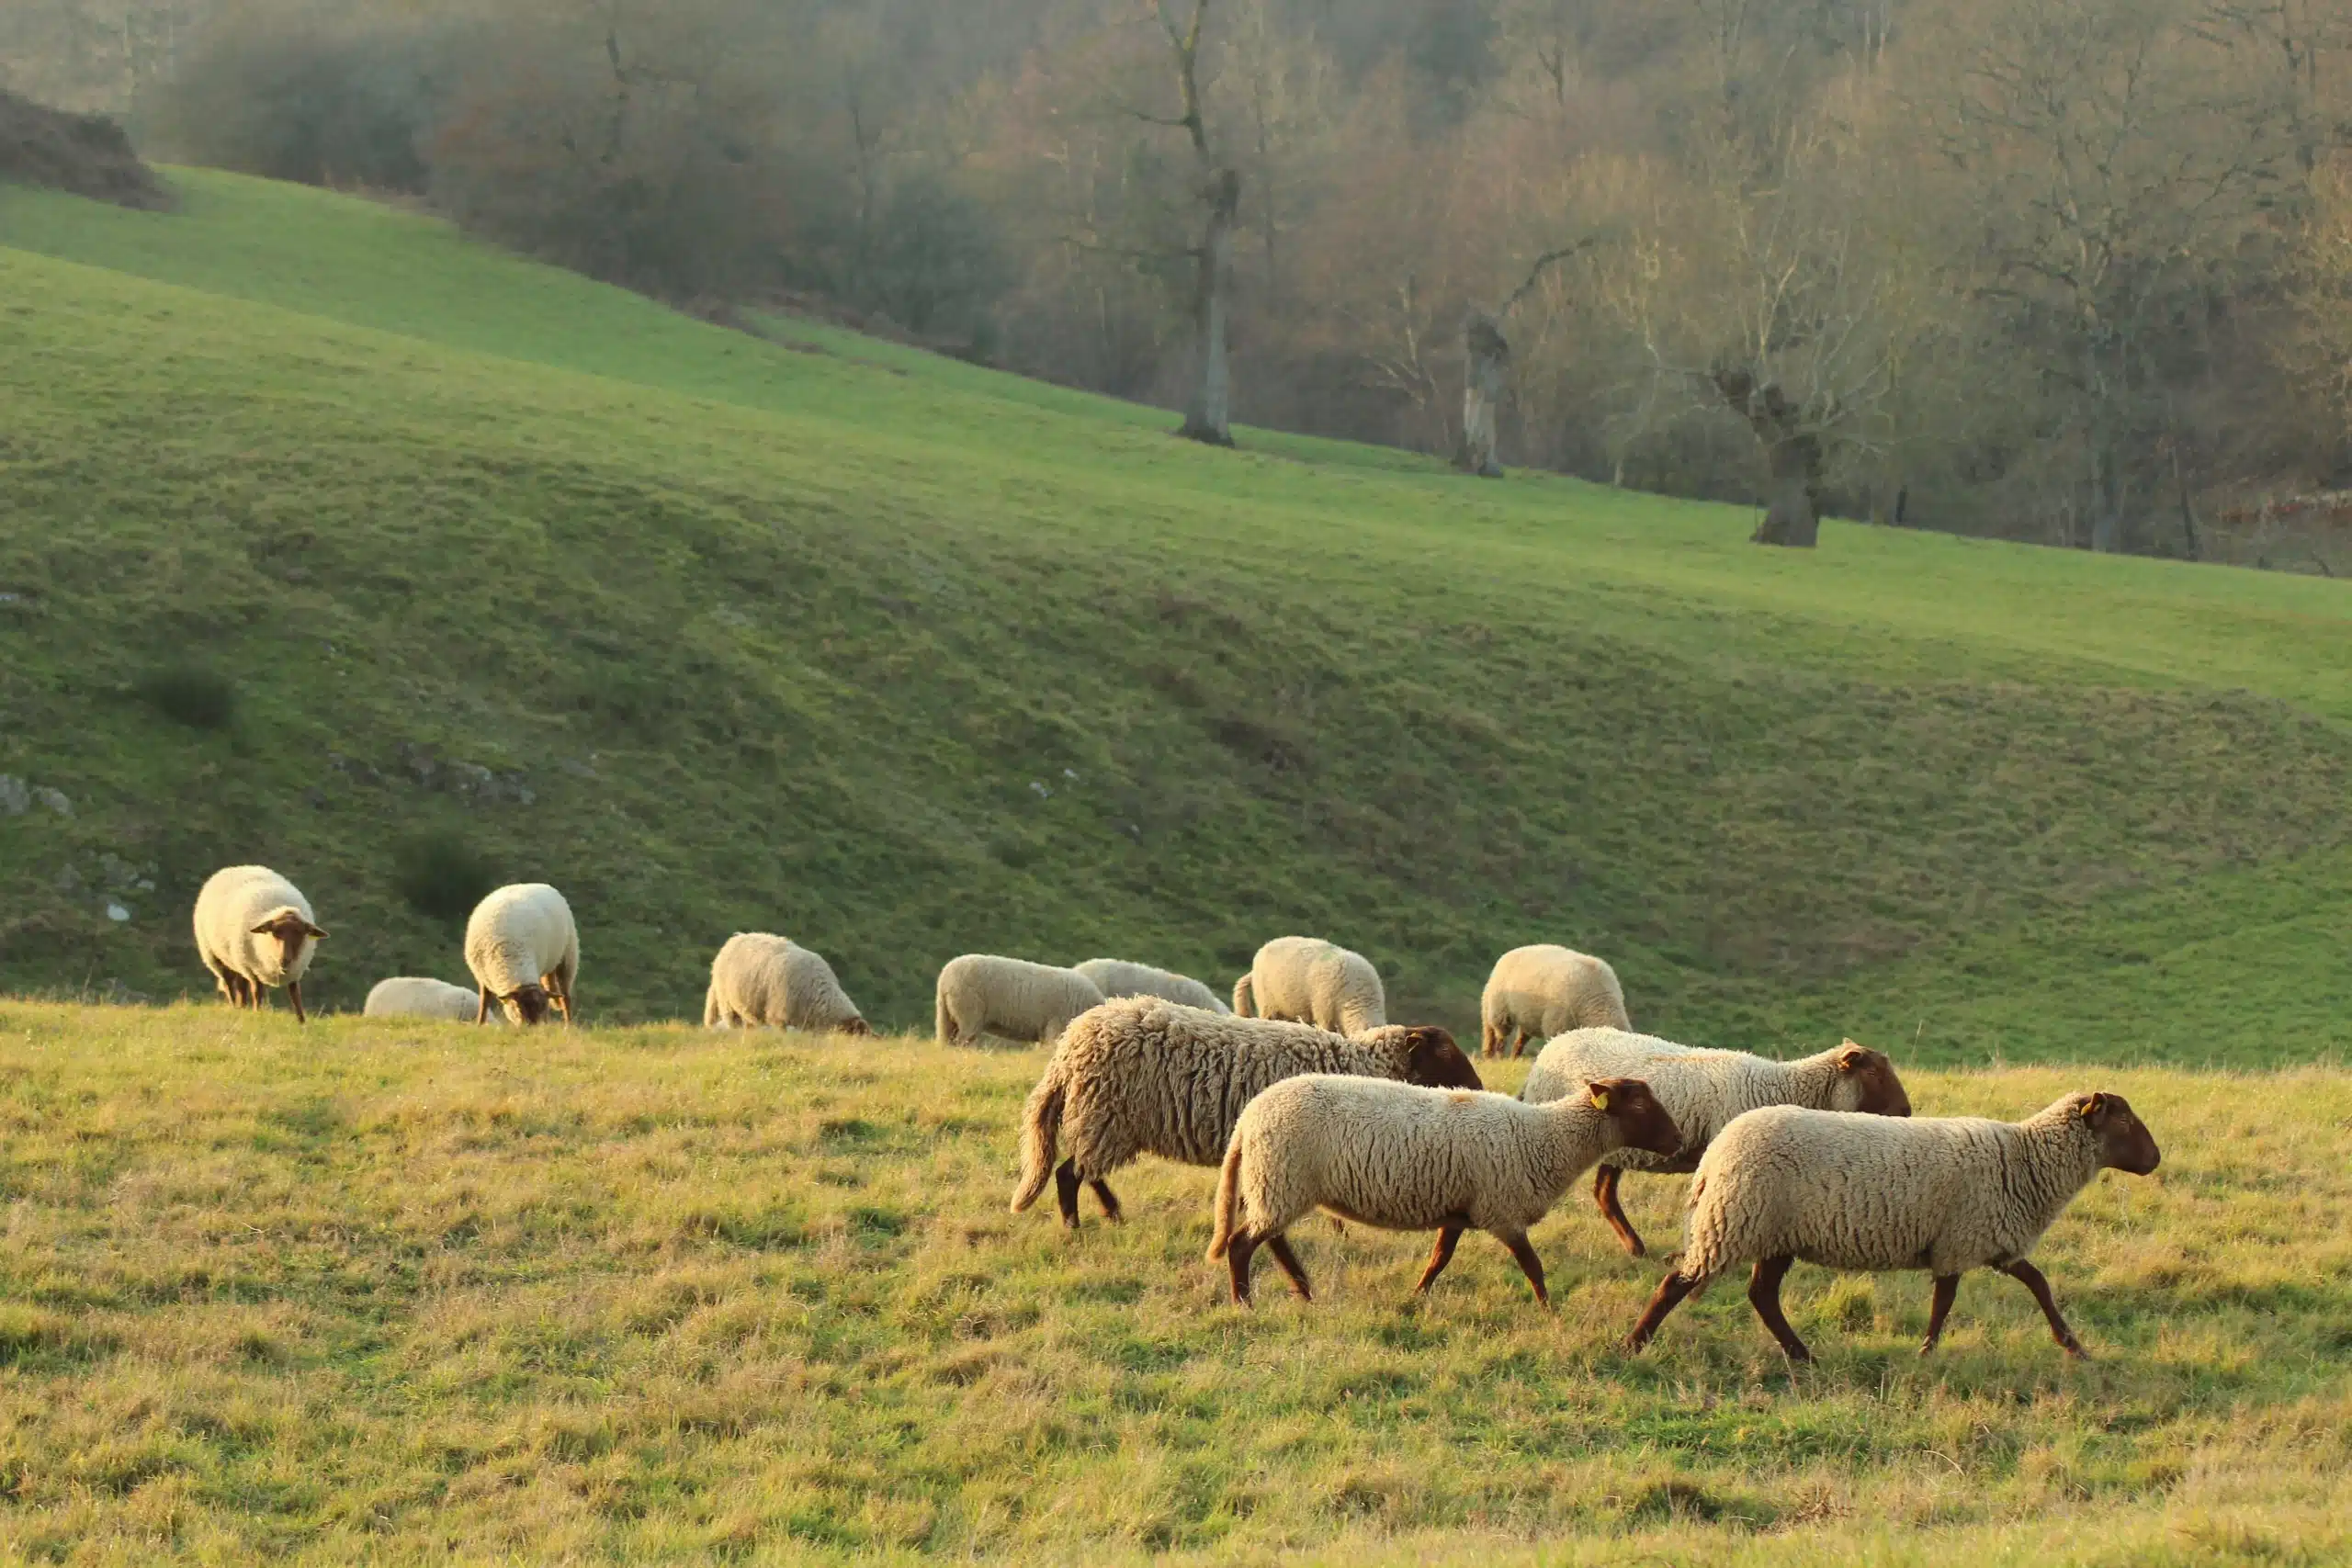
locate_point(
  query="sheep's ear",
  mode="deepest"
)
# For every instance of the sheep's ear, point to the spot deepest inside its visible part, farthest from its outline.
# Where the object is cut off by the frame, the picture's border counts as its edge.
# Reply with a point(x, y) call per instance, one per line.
point(2091, 1106)
point(1600, 1099)
point(1851, 1055)
point(310, 929)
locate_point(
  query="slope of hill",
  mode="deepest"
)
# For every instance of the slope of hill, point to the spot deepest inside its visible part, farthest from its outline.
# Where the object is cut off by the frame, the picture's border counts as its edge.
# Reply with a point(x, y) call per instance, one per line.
point(909, 658)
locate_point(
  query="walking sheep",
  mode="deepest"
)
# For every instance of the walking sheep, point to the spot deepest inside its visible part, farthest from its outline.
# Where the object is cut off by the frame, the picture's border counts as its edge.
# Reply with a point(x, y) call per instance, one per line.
point(1407, 1159)
point(255, 930)
point(760, 980)
point(1145, 1076)
point(1946, 1194)
point(1703, 1090)
point(1009, 998)
point(1545, 990)
point(1308, 980)
point(524, 951)
point(1115, 977)
point(414, 996)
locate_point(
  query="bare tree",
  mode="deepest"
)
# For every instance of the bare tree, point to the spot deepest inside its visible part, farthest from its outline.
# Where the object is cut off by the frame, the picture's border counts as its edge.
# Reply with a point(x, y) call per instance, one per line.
point(1218, 192)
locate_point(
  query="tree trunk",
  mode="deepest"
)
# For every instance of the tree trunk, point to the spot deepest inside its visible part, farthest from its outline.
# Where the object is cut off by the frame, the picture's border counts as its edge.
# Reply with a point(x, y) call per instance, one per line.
point(1792, 459)
point(1207, 419)
point(1488, 353)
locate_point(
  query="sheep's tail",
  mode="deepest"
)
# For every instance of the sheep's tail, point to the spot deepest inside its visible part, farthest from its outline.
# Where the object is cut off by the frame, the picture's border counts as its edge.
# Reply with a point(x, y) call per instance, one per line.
point(1228, 1195)
point(1243, 1006)
point(1040, 1129)
point(710, 1006)
point(946, 1019)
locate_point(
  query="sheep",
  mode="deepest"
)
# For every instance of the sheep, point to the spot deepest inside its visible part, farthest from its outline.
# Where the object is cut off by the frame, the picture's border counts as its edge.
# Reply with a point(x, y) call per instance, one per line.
point(414, 996)
point(762, 979)
point(1545, 990)
point(524, 951)
point(1406, 1158)
point(1308, 980)
point(255, 930)
point(1115, 977)
point(1946, 1194)
point(1703, 1090)
point(1011, 997)
point(1143, 1076)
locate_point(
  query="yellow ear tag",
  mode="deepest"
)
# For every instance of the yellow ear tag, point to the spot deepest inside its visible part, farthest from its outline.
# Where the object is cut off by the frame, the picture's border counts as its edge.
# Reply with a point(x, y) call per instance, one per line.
point(1600, 1099)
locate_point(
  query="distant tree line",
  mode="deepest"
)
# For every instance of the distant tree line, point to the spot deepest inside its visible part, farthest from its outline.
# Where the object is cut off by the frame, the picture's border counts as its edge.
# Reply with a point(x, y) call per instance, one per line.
point(2075, 271)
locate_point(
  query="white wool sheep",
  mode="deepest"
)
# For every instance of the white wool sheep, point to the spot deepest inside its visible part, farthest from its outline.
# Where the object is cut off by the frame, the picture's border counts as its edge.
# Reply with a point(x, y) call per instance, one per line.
point(255, 930)
point(524, 951)
point(1009, 998)
point(1308, 980)
point(1116, 977)
point(1545, 990)
point(1703, 1090)
point(1406, 1158)
point(1945, 1194)
point(415, 996)
point(758, 978)
point(1146, 1076)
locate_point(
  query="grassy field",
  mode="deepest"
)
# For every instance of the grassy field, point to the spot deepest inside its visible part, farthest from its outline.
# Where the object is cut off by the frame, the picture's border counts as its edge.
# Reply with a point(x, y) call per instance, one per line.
point(907, 657)
point(420, 1295)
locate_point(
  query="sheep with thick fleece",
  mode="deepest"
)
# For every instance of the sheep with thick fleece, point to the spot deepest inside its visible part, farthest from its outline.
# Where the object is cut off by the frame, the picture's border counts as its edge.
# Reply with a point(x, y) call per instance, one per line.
point(1703, 1090)
point(1945, 1194)
point(1406, 1158)
point(1009, 998)
point(417, 995)
point(1307, 980)
point(1545, 990)
point(1143, 1076)
point(524, 951)
point(1116, 977)
point(255, 930)
point(762, 979)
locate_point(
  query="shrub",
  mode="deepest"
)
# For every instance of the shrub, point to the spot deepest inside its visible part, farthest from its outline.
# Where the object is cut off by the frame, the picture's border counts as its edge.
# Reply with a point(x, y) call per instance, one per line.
point(441, 875)
point(190, 694)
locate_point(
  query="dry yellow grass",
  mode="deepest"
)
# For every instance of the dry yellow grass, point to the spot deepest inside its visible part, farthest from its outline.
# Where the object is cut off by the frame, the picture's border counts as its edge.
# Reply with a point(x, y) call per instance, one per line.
point(425, 1293)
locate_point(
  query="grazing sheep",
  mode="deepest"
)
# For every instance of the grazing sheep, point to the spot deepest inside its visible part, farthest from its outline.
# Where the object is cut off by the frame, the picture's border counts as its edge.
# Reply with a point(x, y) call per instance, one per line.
point(1145, 1076)
point(524, 951)
point(1407, 1159)
point(255, 930)
point(1308, 980)
point(762, 979)
point(1946, 1194)
point(1545, 990)
point(414, 996)
point(1009, 998)
point(1703, 1090)
point(1115, 977)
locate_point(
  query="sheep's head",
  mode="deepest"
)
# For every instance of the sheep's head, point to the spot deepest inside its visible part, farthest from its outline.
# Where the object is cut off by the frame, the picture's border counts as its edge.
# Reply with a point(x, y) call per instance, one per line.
point(857, 1026)
point(289, 930)
point(526, 1004)
point(1434, 1061)
point(2124, 1141)
point(1867, 1083)
point(1641, 1120)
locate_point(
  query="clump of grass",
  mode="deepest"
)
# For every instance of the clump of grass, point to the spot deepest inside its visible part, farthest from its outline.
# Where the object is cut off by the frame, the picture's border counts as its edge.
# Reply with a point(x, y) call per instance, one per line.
point(441, 874)
point(192, 694)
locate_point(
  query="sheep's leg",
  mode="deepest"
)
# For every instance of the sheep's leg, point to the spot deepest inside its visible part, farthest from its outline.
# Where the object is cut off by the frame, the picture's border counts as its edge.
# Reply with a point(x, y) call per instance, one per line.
point(1440, 1256)
point(1110, 1201)
point(1947, 1287)
point(1518, 1039)
point(294, 990)
point(1604, 1192)
point(1237, 1263)
point(1764, 1295)
point(1278, 1245)
point(1530, 1265)
point(1671, 1291)
point(1065, 1190)
point(558, 990)
point(482, 1013)
point(2025, 1274)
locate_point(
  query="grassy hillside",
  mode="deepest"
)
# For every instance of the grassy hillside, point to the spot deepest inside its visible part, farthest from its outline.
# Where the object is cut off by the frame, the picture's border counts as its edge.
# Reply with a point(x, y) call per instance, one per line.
point(906, 658)
point(427, 1294)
